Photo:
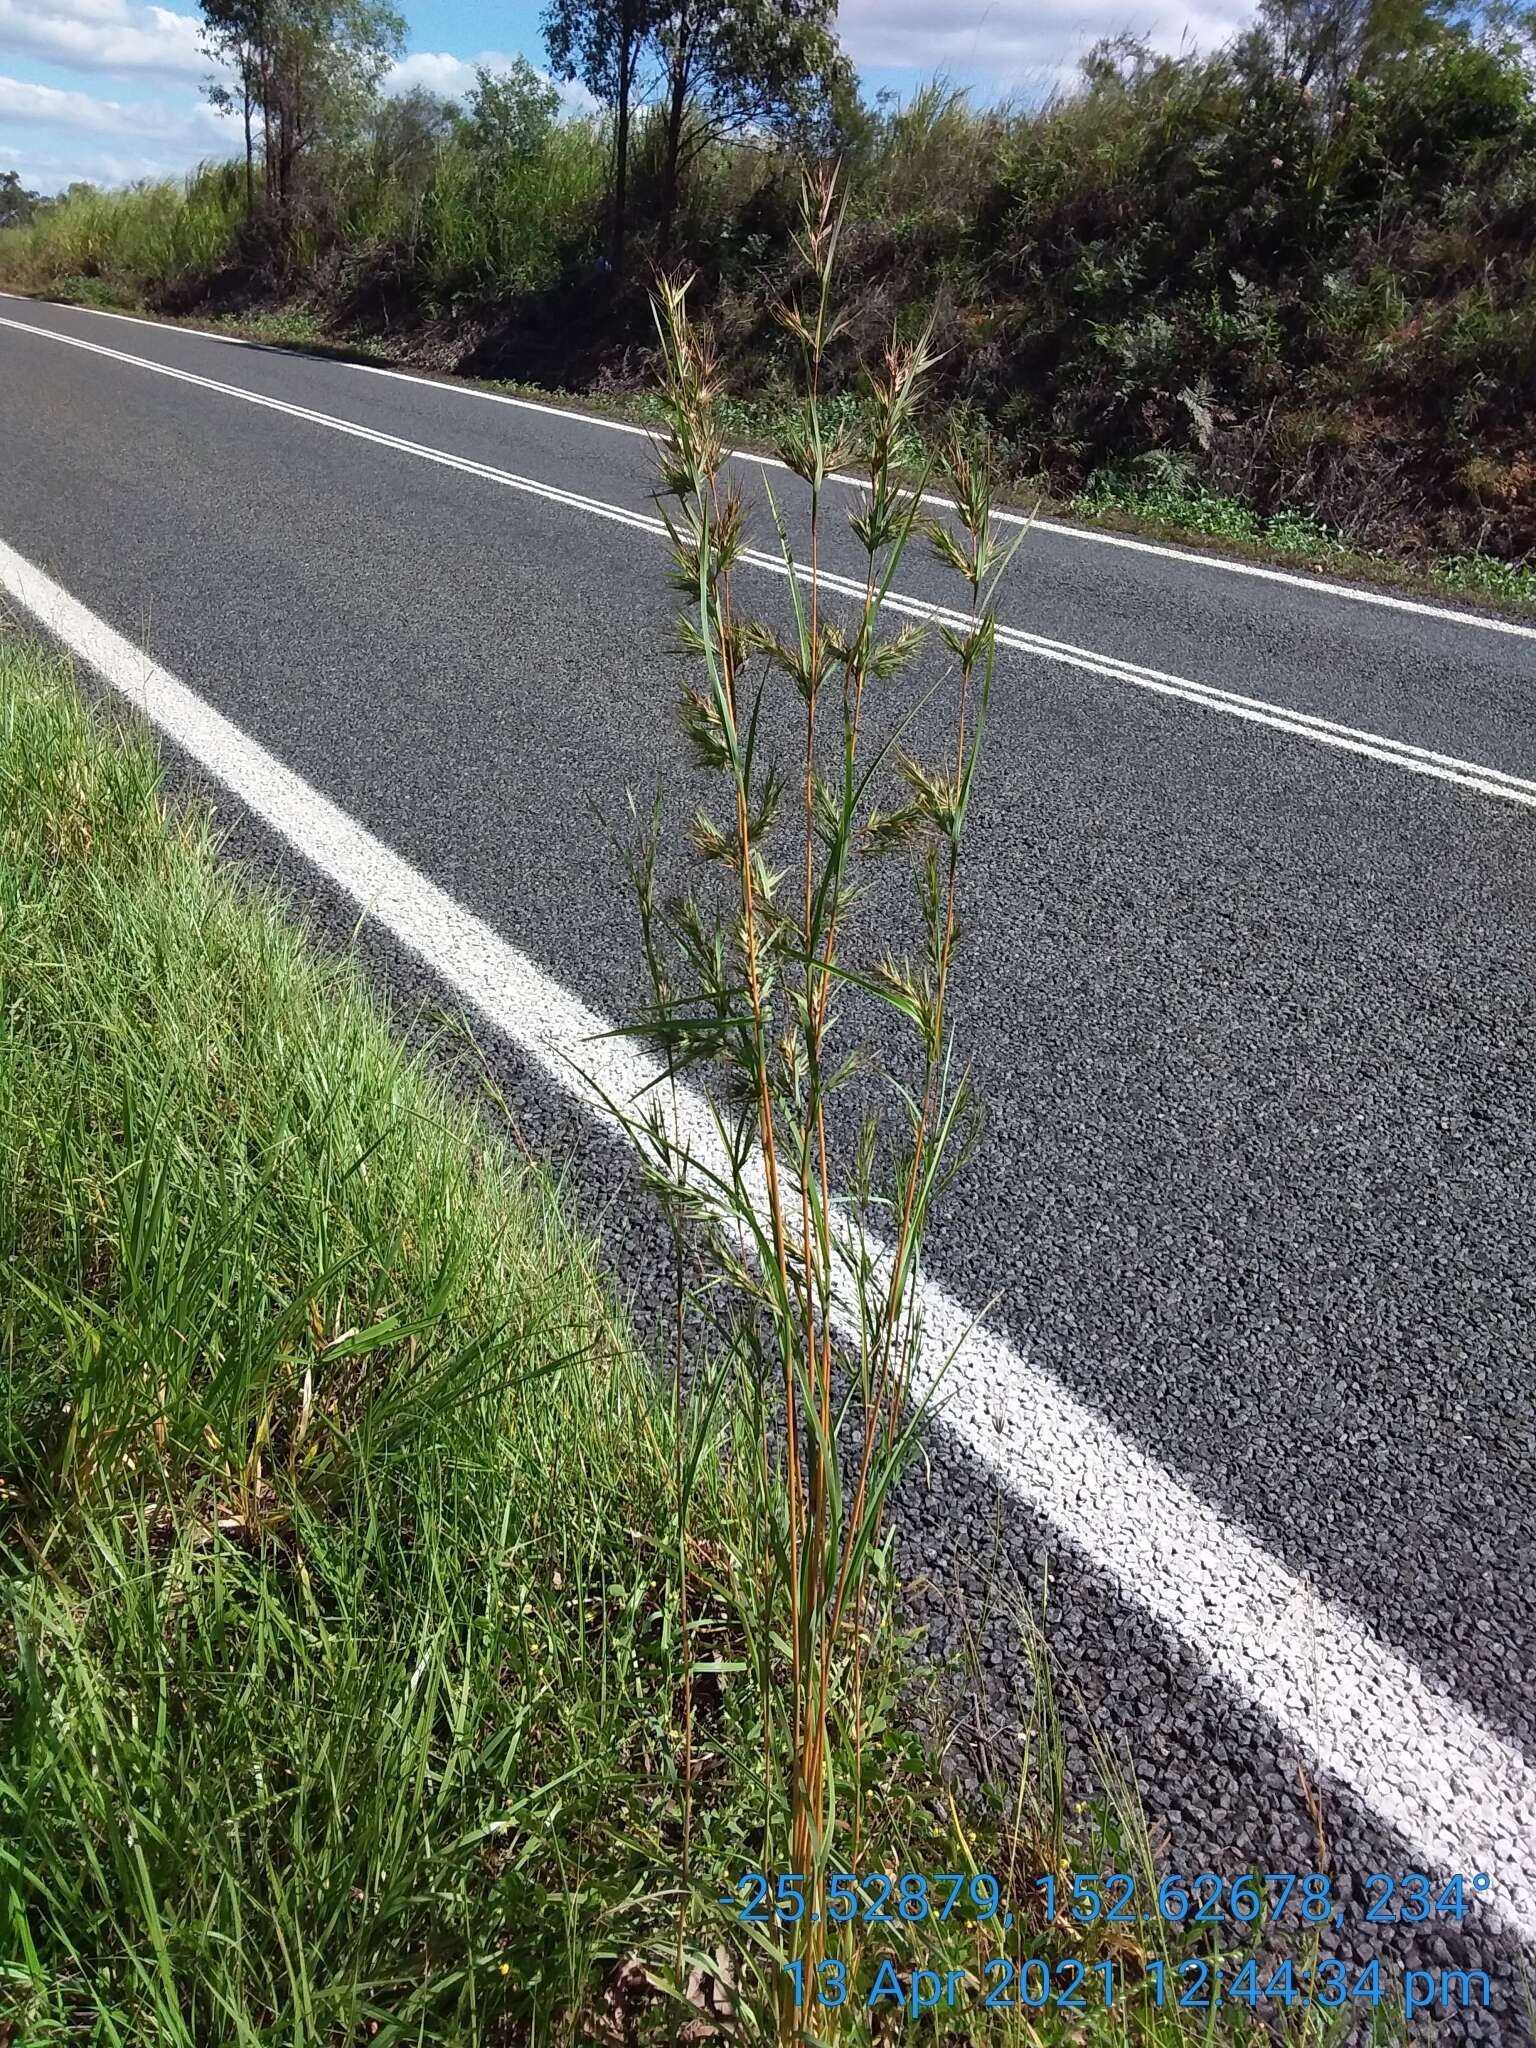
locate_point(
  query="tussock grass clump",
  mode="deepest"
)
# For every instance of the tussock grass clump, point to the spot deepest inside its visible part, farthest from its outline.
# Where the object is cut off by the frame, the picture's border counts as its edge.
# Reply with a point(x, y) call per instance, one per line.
point(336, 1637)
point(743, 989)
point(513, 226)
point(807, 1224)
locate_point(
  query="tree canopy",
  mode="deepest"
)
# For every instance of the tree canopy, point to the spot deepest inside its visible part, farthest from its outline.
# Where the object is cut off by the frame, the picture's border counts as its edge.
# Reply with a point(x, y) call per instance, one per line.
point(17, 204)
point(510, 112)
point(731, 65)
point(307, 69)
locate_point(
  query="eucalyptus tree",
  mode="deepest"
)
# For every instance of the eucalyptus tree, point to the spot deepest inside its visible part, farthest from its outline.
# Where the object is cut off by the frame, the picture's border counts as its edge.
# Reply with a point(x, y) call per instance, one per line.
point(308, 69)
point(739, 66)
point(604, 44)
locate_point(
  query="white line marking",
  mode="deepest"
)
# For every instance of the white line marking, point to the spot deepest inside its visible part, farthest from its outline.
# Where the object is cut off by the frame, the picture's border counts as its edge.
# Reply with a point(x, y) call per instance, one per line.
point(1460, 1795)
point(1191, 557)
point(1470, 775)
point(1304, 724)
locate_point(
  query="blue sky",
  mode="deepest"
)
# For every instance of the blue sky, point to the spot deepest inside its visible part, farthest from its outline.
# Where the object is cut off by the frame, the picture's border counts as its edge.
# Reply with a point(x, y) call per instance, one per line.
point(110, 90)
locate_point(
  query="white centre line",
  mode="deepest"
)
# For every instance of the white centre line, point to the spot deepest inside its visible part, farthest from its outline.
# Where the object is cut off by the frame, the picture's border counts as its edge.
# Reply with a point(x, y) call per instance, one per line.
point(1462, 1797)
point(1414, 760)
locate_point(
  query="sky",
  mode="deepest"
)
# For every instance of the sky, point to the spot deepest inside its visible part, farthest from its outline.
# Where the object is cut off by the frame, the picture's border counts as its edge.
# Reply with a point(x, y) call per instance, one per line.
point(112, 90)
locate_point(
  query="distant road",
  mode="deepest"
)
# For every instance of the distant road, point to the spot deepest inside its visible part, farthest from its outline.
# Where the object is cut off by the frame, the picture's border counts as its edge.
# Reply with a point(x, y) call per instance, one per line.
point(1249, 993)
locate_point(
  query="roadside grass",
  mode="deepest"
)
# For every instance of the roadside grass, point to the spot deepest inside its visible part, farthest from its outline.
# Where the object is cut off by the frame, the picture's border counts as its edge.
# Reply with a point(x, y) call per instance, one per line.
point(100, 293)
point(337, 1643)
point(297, 327)
point(160, 233)
point(340, 1655)
point(1179, 512)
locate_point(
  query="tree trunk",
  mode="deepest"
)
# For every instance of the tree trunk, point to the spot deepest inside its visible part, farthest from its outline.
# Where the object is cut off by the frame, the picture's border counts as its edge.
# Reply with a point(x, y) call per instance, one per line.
point(250, 150)
point(268, 162)
point(621, 158)
point(676, 108)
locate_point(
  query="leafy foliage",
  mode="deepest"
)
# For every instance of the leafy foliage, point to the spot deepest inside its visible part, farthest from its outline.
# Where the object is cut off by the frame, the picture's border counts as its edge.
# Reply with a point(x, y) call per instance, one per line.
point(510, 114)
point(308, 69)
point(17, 204)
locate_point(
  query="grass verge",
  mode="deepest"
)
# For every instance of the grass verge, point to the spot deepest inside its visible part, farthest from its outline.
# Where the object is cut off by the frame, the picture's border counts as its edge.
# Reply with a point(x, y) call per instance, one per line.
point(340, 1665)
point(338, 1672)
point(1201, 518)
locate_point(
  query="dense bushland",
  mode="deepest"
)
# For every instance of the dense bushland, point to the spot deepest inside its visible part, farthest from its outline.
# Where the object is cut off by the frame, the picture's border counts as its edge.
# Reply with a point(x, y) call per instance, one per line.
point(1297, 276)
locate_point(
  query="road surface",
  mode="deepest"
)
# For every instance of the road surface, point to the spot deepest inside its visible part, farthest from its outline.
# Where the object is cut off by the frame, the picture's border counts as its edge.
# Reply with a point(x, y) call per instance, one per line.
point(1249, 995)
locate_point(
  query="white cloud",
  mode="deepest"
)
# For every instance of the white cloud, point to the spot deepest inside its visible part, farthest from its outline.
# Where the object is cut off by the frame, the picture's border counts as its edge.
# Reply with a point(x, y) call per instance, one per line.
point(437, 71)
point(43, 167)
point(55, 107)
point(453, 78)
point(74, 135)
point(105, 35)
point(1021, 43)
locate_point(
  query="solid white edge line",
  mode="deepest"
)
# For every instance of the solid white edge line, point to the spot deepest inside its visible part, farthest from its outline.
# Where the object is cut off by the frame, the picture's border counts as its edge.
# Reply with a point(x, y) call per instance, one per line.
point(1191, 557)
point(1365, 1715)
point(1470, 775)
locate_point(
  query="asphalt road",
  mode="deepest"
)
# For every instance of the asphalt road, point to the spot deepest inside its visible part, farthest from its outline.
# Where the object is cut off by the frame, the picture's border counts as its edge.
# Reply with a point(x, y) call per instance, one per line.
point(1248, 992)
